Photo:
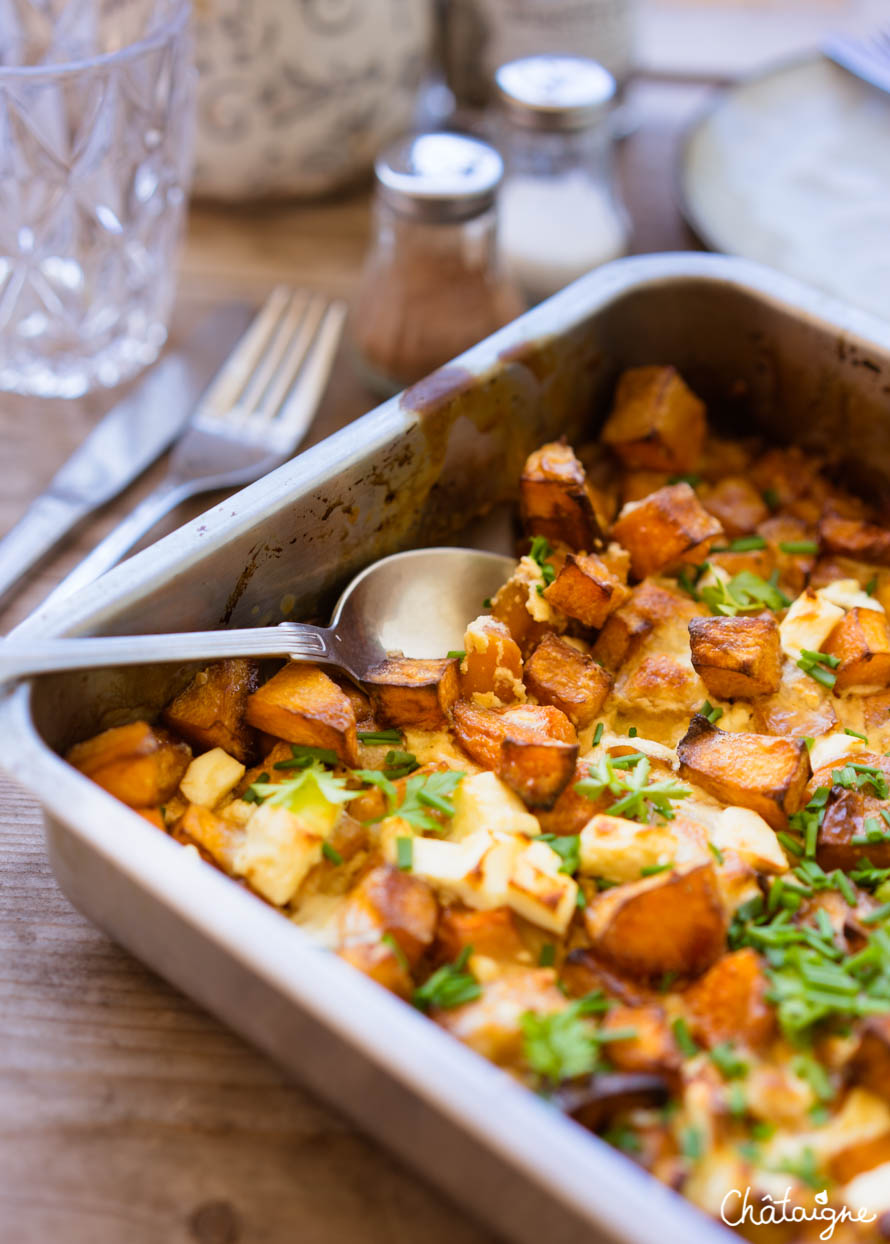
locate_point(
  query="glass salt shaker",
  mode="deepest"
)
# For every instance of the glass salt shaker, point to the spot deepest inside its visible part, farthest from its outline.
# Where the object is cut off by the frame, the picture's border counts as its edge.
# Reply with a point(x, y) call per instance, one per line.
point(433, 284)
point(561, 213)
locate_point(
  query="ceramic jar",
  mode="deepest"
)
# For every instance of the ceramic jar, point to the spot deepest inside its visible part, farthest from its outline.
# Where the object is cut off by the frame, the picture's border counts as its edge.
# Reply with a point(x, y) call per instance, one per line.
point(296, 97)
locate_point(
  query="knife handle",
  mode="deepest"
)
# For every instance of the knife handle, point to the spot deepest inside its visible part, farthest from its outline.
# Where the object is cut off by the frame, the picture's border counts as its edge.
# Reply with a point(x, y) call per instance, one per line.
point(35, 534)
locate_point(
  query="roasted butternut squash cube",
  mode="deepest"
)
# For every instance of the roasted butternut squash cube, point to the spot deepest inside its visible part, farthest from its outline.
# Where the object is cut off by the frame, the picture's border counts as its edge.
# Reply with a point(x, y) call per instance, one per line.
point(758, 771)
point(586, 589)
point(492, 664)
point(303, 705)
point(861, 642)
point(842, 835)
point(651, 1048)
point(648, 606)
point(729, 1002)
point(533, 748)
point(557, 673)
point(870, 1065)
point(490, 933)
point(571, 811)
point(410, 692)
point(218, 838)
point(673, 922)
point(139, 764)
point(852, 537)
point(392, 905)
point(799, 708)
point(737, 657)
point(210, 712)
point(657, 423)
point(669, 527)
point(736, 504)
point(662, 684)
point(556, 499)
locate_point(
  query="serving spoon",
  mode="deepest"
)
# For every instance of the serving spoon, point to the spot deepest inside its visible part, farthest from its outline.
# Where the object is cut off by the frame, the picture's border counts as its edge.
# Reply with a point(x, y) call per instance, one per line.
point(414, 604)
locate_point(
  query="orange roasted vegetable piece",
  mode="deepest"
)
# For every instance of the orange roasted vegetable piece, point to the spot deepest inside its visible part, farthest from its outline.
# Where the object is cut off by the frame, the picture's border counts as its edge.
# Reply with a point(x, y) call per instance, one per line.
point(851, 537)
point(673, 922)
point(861, 642)
point(759, 771)
point(737, 657)
point(586, 589)
point(139, 764)
point(557, 673)
point(657, 422)
point(210, 711)
point(408, 692)
point(556, 499)
point(669, 527)
point(870, 1065)
point(729, 1002)
point(736, 504)
point(648, 606)
point(533, 748)
point(491, 933)
point(651, 1048)
point(301, 704)
point(492, 661)
point(385, 924)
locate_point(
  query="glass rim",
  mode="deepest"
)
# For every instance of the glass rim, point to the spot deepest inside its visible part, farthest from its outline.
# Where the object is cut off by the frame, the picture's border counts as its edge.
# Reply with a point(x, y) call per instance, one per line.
point(167, 29)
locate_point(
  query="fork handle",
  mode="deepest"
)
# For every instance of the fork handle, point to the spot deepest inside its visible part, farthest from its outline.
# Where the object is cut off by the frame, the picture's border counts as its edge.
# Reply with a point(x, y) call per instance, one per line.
point(22, 657)
point(120, 539)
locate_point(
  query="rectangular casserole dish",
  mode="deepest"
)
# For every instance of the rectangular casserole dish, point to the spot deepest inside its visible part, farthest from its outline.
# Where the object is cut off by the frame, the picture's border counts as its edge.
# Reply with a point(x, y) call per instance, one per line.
point(765, 353)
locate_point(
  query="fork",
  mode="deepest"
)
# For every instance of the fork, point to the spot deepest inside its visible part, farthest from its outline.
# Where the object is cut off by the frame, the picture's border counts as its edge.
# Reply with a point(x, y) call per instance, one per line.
point(251, 419)
point(868, 58)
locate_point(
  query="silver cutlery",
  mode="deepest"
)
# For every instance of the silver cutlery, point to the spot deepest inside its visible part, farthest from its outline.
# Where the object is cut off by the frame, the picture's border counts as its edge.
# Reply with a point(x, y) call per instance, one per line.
point(123, 444)
point(868, 57)
point(252, 418)
point(416, 603)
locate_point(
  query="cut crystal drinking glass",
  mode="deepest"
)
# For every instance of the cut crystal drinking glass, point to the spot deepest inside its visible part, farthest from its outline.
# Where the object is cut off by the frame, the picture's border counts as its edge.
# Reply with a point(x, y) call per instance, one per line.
point(96, 113)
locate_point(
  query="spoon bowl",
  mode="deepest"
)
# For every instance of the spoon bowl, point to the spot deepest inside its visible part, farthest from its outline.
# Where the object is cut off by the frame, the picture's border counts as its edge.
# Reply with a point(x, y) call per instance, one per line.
point(414, 604)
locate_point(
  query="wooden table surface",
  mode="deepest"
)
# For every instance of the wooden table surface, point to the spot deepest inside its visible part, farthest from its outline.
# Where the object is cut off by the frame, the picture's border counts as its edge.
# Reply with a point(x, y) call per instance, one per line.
point(126, 1113)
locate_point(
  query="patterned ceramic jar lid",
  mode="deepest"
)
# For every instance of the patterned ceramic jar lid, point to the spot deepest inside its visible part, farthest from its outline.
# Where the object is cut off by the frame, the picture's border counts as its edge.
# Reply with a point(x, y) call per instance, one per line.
point(439, 177)
point(555, 92)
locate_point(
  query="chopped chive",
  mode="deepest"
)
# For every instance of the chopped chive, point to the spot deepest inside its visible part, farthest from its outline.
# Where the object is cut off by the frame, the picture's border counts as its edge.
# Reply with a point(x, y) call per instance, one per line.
point(456, 654)
point(405, 854)
point(855, 734)
point(652, 870)
point(252, 796)
point(379, 736)
point(664, 985)
point(692, 1144)
point(799, 546)
point(598, 733)
point(791, 845)
point(878, 915)
point(486, 604)
point(302, 757)
point(547, 956)
point(746, 544)
point(713, 714)
point(808, 742)
point(716, 852)
point(818, 674)
point(390, 941)
point(772, 498)
point(738, 1102)
point(871, 586)
point(685, 1043)
point(632, 732)
point(331, 853)
point(727, 1062)
point(581, 897)
point(691, 479)
point(628, 762)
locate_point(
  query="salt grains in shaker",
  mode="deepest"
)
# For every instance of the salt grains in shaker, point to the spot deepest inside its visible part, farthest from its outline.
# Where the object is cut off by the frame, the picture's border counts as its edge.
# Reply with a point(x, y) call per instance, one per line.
point(561, 214)
point(432, 284)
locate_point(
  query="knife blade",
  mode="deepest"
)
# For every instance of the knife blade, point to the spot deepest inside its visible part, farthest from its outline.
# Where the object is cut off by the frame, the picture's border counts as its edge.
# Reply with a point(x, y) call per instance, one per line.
point(123, 444)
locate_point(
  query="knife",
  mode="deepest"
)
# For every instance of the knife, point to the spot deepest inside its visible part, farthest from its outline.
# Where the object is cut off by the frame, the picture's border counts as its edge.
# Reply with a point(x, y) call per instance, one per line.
point(132, 435)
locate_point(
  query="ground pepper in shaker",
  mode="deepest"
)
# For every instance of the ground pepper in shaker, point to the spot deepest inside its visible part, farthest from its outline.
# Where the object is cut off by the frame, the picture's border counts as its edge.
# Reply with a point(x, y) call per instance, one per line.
point(561, 214)
point(433, 284)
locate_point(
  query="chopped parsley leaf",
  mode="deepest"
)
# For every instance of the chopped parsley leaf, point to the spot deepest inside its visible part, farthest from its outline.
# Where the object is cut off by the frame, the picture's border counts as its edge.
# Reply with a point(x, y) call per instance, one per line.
point(636, 799)
point(567, 847)
point(449, 986)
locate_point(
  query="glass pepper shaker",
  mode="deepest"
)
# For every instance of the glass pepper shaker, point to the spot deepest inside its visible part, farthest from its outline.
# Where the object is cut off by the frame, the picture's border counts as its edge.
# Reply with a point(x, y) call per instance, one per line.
point(432, 284)
point(561, 213)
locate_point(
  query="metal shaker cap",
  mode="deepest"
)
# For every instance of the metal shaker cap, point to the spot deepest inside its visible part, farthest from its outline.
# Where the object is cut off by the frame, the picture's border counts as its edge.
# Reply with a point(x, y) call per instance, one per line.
point(555, 92)
point(439, 177)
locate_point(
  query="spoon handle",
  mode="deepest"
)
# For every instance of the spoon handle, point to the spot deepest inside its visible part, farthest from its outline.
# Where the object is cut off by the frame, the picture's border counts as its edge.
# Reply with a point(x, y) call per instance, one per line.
point(22, 657)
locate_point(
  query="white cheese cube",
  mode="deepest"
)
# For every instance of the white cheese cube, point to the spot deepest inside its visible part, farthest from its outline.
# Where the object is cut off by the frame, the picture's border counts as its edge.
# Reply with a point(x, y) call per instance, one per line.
point(483, 801)
point(618, 849)
point(277, 853)
point(849, 595)
point(747, 833)
point(539, 892)
point(808, 623)
point(830, 749)
point(209, 778)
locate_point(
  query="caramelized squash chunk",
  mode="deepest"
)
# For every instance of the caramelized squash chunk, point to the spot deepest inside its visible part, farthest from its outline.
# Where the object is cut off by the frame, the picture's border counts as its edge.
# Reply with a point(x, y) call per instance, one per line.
point(491, 933)
point(557, 500)
point(669, 527)
point(218, 838)
point(492, 664)
point(210, 711)
point(861, 642)
point(737, 657)
point(759, 771)
point(736, 504)
point(533, 748)
point(586, 589)
point(851, 537)
point(387, 906)
point(673, 922)
point(657, 423)
point(410, 692)
point(870, 1065)
point(729, 1002)
point(648, 606)
point(557, 673)
point(842, 822)
point(303, 705)
point(139, 764)
point(651, 1048)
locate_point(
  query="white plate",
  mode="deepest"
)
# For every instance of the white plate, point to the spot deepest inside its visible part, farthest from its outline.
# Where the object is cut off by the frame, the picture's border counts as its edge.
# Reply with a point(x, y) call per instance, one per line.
point(792, 169)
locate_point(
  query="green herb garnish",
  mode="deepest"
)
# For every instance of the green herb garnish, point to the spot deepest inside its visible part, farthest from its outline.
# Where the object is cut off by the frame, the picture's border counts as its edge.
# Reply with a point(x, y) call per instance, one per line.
point(727, 1061)
point(302, 757)
point(567, 847)
point(547, 955)
point(563, 1045)
point(854, 734)
point(744, 544)
point(379, 736)
point(743, 593)
point(598, 733)
point(456, 654)
point(713, 714)
point(799, 546)
point(635, 798)
point(405, 854)
point(819, 666)
point(539, 552)
point(298, 793)
point(449, 986)
point(331, 853)
point(685, 1043)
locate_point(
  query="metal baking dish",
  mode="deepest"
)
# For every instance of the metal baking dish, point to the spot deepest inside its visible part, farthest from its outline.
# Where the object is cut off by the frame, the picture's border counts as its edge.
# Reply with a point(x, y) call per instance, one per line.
point(765, 353)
